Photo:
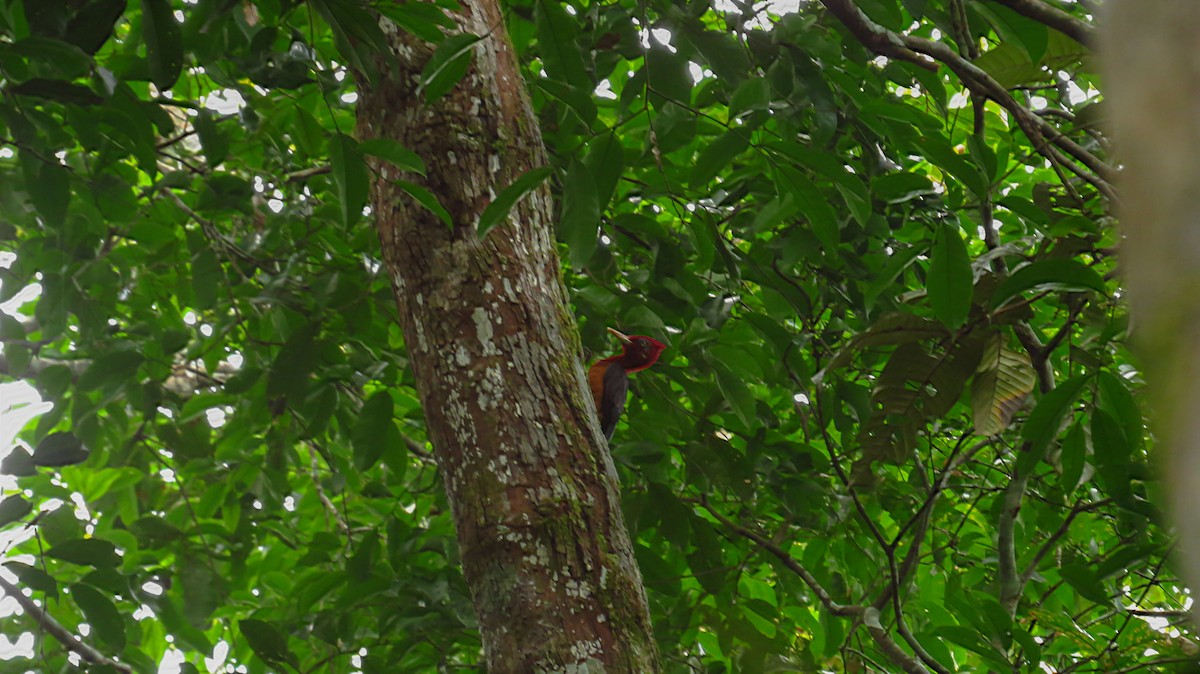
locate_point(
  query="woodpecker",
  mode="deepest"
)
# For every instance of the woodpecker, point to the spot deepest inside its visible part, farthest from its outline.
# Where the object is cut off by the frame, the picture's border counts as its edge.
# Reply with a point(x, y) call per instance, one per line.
point(609, 378)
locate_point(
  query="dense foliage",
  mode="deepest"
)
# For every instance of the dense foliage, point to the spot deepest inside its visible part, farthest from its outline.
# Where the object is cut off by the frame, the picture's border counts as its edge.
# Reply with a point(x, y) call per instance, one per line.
point(897, 411)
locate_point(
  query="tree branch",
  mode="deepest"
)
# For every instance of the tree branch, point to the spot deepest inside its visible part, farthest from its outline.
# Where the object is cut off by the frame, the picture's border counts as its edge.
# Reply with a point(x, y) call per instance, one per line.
point(1046, 139)
point(788, 561)
point(889, 646)
point(1079, 508)
point(1010, 581)
point(873, 36)
point(1055, 18)
point(56, 630)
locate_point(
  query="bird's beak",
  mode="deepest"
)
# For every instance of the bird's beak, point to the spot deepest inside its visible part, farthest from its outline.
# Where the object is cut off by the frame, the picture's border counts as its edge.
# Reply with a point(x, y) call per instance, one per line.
point(619, 335)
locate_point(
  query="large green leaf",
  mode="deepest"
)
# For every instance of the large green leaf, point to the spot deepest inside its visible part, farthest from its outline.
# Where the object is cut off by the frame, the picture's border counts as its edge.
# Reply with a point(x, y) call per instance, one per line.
point(1043, 423)
point(499, 209)
point(1054, 274)
point(101, 614)
point(350, 176)
point(1004, 378)
point(949, 280)
point(557, 33)
point(448, 65)
point(580, 213)
point(164, 42)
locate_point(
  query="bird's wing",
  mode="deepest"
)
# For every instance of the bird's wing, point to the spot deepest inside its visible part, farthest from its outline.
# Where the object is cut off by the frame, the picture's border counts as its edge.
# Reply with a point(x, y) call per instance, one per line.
point(611, 403)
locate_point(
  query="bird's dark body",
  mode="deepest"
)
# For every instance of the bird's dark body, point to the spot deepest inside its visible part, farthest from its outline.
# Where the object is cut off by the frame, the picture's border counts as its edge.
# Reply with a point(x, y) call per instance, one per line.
point(610, 393)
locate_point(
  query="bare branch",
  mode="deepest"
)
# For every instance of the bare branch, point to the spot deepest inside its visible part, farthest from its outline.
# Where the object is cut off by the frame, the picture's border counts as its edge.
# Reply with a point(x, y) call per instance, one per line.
point(889, 646)
point(1055, 18)
point(873, 36)
point(56, 630)
point(788, 561)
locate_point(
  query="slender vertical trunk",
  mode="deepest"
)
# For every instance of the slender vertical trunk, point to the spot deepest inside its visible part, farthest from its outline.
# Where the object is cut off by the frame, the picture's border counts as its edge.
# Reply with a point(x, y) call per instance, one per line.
point(494, 348)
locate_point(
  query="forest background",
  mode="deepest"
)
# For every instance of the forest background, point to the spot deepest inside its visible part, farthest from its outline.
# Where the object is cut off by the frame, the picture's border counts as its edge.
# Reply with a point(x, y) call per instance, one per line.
point(897, 427)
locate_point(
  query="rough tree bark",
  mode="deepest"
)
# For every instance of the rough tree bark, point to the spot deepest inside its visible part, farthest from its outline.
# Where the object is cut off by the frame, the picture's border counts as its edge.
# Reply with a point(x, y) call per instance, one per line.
point(1152, 72)
point(494, 348)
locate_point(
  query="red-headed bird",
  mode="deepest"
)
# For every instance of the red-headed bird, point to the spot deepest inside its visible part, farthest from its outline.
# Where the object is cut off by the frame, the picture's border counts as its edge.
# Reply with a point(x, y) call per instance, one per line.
point(609, 378)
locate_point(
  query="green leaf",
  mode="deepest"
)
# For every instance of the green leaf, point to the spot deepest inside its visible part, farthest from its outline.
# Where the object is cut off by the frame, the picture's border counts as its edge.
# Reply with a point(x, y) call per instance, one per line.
point(1116, 399)
point(34, 578)
point(723, 54)
point(557, 33)
point(716, 156)
point(12, 509)
point(207, 279)
point(49, 185)
point(606, 160)
point(59, 449)
point(1109, 442)
point(1055, 274)
point(448, 65)
point(101, 614)
point(949, 281)
point(349, 176)
point(400, 156)
point(289, 372)
point(375, 431)
point(580, 213)
point(356, 32)
point(1030, 36)
point(19, 357)
point(1004, 379)
point(164, 43)
point(1010, 63)
point(86, 552)
point(942, 155)
point(18, 463)
point(578, 100)
point(423, 19)
point(1073, 457)
point(500, 207)
point(204, 591)
point(897, 263)
point(667, 76)
point(360, 565)
point(267, 642)
point(737, 394)
point(813, 204)
point(1043, 423)
point(111, 370)
point(1079, 575)
point(897, 188)
point(428, 200)
point(91, 26)
point(57, 90)
point(214, 141)
point(750, 96)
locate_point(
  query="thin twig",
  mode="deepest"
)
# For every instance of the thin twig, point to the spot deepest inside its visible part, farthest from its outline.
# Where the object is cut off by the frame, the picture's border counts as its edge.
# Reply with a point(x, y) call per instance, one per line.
point(1079, 509)
point(790, 562)
point(62, 634)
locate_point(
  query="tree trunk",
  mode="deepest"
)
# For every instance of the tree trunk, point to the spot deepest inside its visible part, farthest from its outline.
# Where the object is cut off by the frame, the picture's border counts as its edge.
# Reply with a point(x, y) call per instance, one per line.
point(1149, 55)
point(495, 352)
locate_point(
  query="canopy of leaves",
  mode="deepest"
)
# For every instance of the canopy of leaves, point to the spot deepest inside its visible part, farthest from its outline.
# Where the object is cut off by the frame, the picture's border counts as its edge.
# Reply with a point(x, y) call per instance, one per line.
point(896, 400)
